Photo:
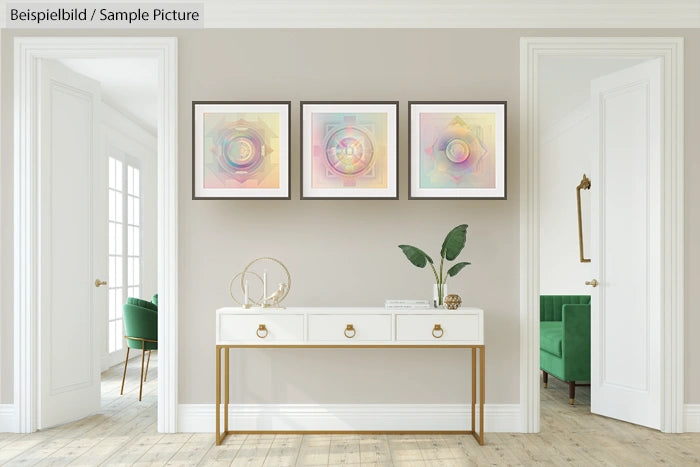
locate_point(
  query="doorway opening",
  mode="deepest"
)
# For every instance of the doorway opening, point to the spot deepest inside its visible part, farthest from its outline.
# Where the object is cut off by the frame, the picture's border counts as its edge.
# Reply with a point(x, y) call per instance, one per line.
point(98, 115)
point(106, 107)
point(567, 137)
point(549, 142)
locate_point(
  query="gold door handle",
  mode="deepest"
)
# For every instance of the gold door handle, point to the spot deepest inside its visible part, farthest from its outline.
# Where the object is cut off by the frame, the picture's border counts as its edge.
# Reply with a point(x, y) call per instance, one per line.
point(439, 329)
point(99, 282)
point(261, 329)
point(349, 328)
point(592, 283)
point(584, 185)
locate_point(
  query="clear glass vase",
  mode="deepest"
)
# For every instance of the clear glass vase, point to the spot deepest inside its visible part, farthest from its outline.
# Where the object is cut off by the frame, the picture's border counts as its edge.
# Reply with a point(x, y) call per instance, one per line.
point(439, 294)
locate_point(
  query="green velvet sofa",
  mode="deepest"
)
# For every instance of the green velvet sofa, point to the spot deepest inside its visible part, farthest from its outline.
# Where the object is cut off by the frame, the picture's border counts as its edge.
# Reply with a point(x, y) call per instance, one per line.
point(565, 339)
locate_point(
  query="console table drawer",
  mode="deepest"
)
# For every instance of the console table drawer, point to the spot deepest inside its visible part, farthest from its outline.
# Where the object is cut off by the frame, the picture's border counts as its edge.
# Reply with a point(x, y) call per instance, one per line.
point(350, 328)
point(260, 328)
point(439, 328)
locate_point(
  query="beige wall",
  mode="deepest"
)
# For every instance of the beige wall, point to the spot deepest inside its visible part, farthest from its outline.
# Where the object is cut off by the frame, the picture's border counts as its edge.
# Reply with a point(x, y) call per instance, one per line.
point(344, 252)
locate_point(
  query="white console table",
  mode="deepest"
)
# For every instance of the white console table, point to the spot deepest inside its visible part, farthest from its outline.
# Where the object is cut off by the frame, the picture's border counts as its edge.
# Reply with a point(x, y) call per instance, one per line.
point(326, 327)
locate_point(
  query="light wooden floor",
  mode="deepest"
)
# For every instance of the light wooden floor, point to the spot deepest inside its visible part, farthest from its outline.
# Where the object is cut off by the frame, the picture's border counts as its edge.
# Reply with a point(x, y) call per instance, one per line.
point(125, 433)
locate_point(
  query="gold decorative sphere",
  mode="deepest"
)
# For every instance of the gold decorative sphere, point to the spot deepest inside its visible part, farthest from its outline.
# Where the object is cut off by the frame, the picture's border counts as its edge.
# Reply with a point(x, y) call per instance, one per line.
point(452, 301)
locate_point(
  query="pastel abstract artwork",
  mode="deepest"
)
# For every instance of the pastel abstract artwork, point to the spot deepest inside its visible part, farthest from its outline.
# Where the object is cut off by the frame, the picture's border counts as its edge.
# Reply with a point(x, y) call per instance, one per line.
point(241, 150)
point(350, 152)
point(457, 150)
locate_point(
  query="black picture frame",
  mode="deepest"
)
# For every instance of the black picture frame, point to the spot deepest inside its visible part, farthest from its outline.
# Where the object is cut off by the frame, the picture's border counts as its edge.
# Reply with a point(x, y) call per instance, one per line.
point(501, 178)
point(203, 193)
point(305, 164)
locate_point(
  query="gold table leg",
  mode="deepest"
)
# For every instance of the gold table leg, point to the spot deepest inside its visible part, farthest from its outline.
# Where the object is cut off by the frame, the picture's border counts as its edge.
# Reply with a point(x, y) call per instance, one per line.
point(479, 436)
point(473, 389)
point(482, 391)
point(226, 390)
point(218, 395)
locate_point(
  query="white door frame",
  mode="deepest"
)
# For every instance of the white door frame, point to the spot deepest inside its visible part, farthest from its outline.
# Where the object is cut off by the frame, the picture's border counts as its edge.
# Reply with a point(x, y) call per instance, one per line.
point(27, 167)
point(670, 51)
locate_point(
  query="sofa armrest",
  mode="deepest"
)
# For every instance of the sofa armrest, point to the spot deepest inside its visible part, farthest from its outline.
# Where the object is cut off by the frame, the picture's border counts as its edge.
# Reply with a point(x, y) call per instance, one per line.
point(576, 340)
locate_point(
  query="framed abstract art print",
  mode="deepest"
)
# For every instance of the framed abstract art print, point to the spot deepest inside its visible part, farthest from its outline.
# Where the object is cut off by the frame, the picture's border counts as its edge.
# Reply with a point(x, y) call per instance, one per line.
point(240, 150)
point(349, 150)
point(457, 150)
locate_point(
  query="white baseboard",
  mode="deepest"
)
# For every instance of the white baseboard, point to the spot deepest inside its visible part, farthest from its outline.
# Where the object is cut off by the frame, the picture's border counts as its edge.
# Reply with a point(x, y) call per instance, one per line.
point(201, 418)
point(691, 418)
point(8, 421)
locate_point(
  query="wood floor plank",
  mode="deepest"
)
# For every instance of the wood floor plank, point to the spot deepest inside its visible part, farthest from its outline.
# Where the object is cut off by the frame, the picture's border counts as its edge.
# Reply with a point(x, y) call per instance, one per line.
point(225, 453)
point(193, 451)
point(7, 438)
point(344, 450)
point(161, 452)
point(314, 451)
point(405, 449)
point(374, 450)
point(284, 451)
point(135, 450)
point(434, 448)
point(254, 451)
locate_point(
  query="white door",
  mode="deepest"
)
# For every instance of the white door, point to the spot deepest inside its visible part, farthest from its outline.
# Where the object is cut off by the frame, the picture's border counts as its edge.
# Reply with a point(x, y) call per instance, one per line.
point(73, 230)
point(625, 245)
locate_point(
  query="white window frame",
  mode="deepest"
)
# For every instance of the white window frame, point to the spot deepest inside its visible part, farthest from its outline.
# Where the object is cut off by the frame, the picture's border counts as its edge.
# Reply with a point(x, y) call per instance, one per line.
point(127, 162)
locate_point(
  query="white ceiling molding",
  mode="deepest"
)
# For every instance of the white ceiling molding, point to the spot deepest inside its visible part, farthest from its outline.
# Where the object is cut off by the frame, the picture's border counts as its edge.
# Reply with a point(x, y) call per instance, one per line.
point(439, 13)
point(452, 14)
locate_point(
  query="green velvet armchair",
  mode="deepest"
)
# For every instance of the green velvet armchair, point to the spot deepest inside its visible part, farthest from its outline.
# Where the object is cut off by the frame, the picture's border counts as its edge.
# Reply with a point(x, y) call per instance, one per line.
point(565, 339)
point(141, 327)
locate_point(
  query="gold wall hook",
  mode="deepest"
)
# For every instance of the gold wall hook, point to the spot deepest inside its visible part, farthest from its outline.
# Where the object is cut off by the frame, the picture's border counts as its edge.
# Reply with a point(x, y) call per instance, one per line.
point(584, 185)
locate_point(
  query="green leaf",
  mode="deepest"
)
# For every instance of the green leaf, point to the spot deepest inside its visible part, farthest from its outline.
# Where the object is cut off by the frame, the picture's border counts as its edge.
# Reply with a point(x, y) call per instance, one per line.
point(454, 242)
point(416, 256)
point(454, 270)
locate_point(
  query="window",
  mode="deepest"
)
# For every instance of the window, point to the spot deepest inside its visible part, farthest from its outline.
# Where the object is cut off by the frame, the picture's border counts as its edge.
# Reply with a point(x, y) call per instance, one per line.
point(124, 243)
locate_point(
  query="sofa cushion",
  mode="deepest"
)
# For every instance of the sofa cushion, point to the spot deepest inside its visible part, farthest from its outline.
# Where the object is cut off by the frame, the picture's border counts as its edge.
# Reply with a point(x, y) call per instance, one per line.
point(550, 337)
point(551, 305)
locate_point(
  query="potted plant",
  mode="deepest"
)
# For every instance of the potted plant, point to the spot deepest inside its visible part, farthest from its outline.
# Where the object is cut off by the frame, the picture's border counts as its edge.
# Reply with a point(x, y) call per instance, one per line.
point(451, 248)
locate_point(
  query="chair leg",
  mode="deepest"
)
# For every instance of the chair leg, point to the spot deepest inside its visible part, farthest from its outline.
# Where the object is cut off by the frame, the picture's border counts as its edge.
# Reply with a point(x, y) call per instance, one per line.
point(147, 362)
point(143, 354)
point(545, 378)
point(124, 376)
point(572, 392)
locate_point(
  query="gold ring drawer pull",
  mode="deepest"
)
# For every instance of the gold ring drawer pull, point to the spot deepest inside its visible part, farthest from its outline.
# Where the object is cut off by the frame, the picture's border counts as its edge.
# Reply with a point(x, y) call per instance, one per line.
point(437, 329)
point(261, 329)
point(348, 329)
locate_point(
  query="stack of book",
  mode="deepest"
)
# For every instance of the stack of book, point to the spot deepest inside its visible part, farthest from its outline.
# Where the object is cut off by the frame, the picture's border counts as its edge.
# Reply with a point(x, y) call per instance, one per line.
point(407, 304)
